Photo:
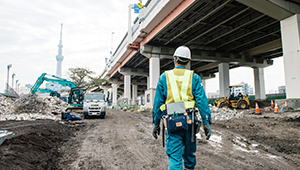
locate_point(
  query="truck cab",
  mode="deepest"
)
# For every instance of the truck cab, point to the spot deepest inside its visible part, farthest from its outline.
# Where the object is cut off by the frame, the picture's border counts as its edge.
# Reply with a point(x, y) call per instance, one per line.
point(94, 104)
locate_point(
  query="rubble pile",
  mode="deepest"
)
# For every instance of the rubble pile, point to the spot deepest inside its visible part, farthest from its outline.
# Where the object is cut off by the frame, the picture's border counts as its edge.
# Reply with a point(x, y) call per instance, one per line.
point(31, 107)
point(6, 104)
point(33, 104)
point(224, 114)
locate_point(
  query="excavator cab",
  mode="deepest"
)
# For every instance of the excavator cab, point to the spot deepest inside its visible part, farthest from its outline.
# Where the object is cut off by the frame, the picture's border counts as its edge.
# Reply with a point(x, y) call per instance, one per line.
point(234, 101)
point(76, 96)
point(75, 100)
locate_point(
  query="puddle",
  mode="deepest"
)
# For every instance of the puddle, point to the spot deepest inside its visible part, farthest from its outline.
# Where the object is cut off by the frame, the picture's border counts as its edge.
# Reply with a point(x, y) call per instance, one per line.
point(216, 138)
point(215, 141)
point(234, 145)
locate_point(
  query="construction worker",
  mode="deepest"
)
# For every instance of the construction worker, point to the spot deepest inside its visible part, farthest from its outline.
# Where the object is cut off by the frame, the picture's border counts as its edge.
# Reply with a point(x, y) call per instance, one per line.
point(179, 145)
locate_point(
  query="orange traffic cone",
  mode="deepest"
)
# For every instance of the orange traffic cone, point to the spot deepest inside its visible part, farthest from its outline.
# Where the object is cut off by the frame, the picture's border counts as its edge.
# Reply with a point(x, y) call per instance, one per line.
point(272, 103)
point(276, 108)
point(285, 103)
point(257, 112)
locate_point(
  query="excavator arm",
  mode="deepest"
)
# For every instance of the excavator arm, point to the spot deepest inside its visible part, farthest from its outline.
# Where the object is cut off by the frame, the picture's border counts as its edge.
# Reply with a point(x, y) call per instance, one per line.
point(52, 79)
point(76, 95)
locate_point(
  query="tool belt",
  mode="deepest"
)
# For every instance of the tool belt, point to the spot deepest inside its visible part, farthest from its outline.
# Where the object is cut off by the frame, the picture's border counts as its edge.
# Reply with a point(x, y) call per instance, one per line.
point(176, 122)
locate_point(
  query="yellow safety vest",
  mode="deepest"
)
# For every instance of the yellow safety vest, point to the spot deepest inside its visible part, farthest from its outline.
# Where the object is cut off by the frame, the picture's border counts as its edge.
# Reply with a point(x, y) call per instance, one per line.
point(179, 79)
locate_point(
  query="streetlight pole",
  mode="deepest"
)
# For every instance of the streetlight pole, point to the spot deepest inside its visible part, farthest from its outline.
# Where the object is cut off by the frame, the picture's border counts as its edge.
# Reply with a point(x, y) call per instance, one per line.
point(8, 67)
point(16, 85)
point(12, 81)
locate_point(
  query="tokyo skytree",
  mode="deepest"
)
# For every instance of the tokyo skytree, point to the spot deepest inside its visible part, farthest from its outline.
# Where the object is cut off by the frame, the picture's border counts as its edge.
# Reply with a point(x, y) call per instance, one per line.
point(59, 57)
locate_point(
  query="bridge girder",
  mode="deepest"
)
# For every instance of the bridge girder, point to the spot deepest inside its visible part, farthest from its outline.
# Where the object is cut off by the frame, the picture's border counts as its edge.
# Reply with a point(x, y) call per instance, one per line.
point(208, 56)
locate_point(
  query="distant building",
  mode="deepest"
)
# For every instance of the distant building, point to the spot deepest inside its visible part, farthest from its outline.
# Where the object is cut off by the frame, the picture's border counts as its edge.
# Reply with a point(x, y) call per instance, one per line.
point(28, 86)
point(211, 95)
point(56, 87)
point(245, 90)
point(281, 89)
point(23, 90)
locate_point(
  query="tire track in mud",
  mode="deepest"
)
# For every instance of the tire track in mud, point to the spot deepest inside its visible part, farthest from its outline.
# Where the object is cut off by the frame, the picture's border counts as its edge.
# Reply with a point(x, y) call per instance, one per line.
point(121, 141)
point(228, 150)
point(133, 146)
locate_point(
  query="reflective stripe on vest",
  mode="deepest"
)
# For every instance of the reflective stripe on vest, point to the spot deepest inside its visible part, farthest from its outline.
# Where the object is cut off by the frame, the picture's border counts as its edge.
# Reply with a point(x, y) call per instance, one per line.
point(185, 79)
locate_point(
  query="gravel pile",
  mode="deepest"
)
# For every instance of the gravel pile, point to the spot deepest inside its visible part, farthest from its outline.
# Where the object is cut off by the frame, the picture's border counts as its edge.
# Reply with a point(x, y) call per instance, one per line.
point(224, 114)
point(31, 107)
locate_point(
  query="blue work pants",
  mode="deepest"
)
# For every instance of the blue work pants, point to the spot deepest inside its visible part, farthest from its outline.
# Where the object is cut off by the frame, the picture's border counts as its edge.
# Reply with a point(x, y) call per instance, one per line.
point(178, 146)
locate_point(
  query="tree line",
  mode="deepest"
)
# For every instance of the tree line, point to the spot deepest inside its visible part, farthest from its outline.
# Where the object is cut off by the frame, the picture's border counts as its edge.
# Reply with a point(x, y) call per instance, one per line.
point(82, 78)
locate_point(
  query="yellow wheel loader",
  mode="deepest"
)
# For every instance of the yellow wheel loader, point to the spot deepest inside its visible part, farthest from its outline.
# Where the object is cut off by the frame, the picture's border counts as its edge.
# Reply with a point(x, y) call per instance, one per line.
point(239, 101)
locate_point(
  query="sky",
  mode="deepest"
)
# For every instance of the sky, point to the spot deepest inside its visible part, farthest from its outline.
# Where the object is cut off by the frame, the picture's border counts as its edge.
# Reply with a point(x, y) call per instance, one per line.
point(30, 32)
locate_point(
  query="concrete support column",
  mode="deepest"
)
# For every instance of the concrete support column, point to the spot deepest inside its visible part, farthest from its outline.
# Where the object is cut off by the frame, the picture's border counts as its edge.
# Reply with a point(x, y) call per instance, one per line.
point(114, 93)
point(134, 93)
point(110, 94)
point(203, 84)
point(259, 84)
point(127, 87)
point(105, 92)
point(154, 73)
point(224, 79)
point(148, 82)
point(290, 33)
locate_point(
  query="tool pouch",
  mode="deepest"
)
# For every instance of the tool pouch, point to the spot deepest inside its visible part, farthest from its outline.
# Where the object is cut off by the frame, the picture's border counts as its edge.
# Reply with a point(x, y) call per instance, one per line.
point(176, 123)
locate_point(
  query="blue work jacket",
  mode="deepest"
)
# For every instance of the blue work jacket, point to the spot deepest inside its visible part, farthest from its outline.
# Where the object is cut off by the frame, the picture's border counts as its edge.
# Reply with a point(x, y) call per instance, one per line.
point(197, 91)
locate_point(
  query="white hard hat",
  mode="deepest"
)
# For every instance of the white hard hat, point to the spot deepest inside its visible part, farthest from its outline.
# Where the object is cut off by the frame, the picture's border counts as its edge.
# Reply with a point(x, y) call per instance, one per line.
point(183, 52)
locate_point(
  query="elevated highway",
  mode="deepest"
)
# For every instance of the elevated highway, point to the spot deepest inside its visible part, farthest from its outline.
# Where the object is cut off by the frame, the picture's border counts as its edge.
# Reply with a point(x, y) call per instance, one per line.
point(222, 34)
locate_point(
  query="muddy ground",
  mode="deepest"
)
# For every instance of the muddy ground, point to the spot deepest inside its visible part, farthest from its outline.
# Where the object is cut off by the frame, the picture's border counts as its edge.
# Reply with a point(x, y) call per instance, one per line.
point(123, 140)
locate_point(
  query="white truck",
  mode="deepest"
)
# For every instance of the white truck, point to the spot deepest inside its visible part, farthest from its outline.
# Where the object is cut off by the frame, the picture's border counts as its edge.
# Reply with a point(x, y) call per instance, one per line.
point(94, 105)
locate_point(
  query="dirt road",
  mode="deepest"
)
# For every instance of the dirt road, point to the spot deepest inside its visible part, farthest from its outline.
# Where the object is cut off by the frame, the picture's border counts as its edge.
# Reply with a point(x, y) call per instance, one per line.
point(123, 140)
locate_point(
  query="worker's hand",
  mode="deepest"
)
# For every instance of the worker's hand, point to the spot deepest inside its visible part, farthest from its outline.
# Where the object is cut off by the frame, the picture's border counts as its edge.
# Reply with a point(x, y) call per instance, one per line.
point(197, 126)
point(208, 117)
point(156, 131)
point(207, 131)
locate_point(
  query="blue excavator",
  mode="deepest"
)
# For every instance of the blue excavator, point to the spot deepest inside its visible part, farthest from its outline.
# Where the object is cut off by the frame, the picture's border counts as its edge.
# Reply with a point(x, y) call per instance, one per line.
point(76, 95)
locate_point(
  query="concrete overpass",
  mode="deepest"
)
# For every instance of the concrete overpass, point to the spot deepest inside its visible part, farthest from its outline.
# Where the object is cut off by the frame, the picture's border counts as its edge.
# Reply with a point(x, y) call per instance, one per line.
point(222, 34)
